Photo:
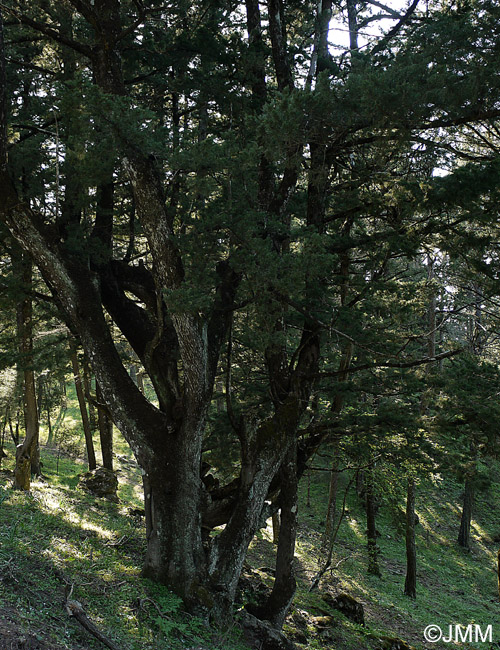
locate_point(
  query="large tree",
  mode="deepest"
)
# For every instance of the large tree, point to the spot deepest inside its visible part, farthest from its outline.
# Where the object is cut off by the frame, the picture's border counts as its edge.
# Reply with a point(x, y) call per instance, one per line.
point(238, 198)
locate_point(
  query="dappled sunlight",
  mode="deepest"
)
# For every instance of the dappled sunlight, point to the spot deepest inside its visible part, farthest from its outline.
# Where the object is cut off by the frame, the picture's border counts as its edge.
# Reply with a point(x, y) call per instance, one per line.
point(482, 538)
point(61, 550)
point(355, 528)
point(53, 502)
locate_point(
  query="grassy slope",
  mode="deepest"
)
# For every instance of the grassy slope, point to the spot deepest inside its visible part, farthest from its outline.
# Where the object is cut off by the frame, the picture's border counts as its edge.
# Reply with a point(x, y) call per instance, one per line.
point(454, 586)
point(58, 535)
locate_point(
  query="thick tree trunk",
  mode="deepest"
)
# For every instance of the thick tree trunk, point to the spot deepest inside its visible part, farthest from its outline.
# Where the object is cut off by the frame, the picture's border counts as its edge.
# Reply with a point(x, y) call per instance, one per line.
point(464, 532)
point(173, 498)
point(167, 442)
point(89, 443)
point(373, 566)
point(411, 550)
point(105, 424)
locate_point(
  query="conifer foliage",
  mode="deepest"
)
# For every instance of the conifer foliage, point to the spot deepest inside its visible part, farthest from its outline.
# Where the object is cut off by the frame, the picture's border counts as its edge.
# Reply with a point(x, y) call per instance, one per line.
point(251, 206)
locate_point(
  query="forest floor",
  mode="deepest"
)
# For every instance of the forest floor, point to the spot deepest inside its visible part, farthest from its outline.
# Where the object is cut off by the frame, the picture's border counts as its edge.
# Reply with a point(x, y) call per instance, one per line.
point(59, 537)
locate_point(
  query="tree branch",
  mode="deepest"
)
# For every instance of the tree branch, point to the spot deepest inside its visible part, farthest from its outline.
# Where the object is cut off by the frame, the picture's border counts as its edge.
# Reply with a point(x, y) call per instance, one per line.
point(392, 32)
point(49, 31)
point(391, 364)
point(75, 609)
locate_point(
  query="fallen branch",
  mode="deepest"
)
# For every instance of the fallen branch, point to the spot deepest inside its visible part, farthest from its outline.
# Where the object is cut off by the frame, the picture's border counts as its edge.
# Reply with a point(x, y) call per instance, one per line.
point(75, 609)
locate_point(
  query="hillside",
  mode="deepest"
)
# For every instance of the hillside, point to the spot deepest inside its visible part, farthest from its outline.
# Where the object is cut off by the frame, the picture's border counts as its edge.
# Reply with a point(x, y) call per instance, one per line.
point(60, 537)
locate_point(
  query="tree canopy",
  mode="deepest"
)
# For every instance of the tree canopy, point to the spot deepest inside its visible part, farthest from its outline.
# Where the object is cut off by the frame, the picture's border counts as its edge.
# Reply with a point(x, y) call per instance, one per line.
point(255, 210)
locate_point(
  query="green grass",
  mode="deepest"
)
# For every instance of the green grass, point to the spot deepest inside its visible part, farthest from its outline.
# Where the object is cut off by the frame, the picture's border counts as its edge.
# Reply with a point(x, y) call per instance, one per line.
point(454, 586)
point(59, 536)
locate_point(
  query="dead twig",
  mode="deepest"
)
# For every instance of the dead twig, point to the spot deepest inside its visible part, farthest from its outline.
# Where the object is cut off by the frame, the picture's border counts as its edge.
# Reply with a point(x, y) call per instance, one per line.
point(75, 609)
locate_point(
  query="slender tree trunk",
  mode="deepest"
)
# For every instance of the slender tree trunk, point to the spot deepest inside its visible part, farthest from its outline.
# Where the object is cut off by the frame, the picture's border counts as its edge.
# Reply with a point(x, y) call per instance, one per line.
point(332, 500)
point(27, 453)
point(411, 550)
point(2, 439)
point(40, 390)
point(50, 437)
point(284, 586)
point(464, 532)
point(105, 424)
point(87, 386)
point(373, 566)
point(360, 484)
point(498, 573)
point(276, 527)
point(14, 432)
point(140, 381)
point(89, 443)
